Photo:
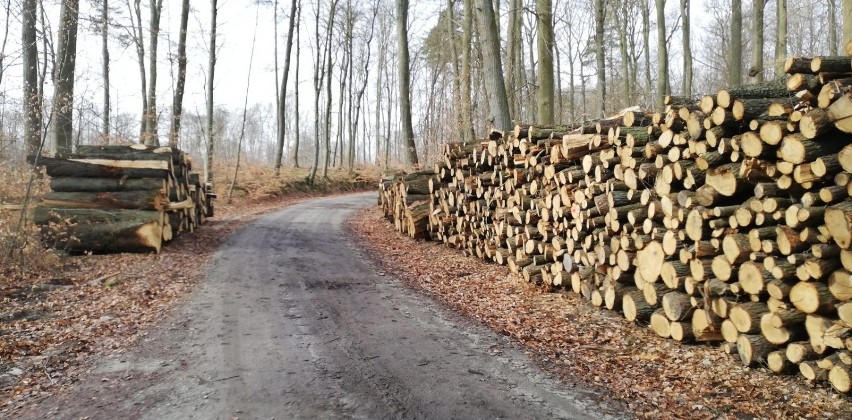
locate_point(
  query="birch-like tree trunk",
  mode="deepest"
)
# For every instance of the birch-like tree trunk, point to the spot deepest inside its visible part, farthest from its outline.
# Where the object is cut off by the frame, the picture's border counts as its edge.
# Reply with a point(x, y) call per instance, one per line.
point(544, 44)
point(735, 71)
point(600, 56)
point(151, 137)
point(686, 16)
point(663, 86)
point(282, 95)
point(756, 69)
point(32, 97)
point(177, 100)
point(404, 69)
point(63, 95)
point(781, 35)
point(105, 69)
point(211, 71)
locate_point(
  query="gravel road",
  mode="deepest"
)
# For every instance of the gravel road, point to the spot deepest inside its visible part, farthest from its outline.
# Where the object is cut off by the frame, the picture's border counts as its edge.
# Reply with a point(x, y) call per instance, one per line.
point(295, 322)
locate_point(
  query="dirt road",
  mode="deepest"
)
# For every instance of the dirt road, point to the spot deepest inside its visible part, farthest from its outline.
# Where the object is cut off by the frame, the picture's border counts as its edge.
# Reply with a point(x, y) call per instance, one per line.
point(295, 322)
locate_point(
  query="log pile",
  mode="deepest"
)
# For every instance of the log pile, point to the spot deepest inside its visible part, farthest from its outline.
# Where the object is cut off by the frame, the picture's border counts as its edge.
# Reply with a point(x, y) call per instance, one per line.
point(727, 220)
point(120, 199)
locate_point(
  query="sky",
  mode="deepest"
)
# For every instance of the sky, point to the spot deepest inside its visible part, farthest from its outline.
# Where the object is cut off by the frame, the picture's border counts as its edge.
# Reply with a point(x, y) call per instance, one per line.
point(238, 22)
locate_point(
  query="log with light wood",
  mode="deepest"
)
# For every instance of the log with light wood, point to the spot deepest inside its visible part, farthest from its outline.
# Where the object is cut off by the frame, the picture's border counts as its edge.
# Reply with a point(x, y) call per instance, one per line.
point(722, 219)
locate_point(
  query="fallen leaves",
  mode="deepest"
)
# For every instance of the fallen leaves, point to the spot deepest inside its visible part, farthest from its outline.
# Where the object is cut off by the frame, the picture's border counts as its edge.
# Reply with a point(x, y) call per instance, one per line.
point(54, 323)
point(656, 378)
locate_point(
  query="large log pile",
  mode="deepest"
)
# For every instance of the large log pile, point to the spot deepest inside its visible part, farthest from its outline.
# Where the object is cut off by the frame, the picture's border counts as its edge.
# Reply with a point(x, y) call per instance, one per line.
point(724, 221)
point(120, 199)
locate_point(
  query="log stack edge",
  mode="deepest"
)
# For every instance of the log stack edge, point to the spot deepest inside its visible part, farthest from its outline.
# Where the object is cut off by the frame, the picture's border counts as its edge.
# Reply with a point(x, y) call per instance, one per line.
point(725, 220)
point(110, 199)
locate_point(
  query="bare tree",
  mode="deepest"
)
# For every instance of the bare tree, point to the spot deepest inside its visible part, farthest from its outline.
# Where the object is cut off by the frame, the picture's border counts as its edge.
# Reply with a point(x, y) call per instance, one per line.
point(5, 39)
point(832, 27)
point(781, 34)
point(621, 23)
point(467, 37)
point(177, 100)
point(490, 41)
point(63, 95)
point(663, 86)
point(211, 71)
point(756, 69)
point(32, 96)
point(600, 55)
point(686, 16)
point(105, 68)
point(404, 69)
point(245, 112)
point(322, 64)
point(544, 13)
point(515, 62)
point(735, 74)
point(282, 95)
point(847, 22)
point(361, 89)
point(646, 42)
point(151, 137)
point(138, 37)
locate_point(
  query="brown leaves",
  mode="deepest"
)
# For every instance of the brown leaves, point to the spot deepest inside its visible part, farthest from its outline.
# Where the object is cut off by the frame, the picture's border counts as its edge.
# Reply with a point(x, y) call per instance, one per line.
point(655, 377)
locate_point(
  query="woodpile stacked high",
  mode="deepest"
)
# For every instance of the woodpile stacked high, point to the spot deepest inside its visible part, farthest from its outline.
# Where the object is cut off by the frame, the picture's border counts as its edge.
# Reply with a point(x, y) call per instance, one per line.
point(120, 199)
point(726, 221)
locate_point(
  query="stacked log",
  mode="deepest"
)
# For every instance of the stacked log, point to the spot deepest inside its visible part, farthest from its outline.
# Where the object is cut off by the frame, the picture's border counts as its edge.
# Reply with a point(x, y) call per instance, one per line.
point(120, 199)
point(727, 220)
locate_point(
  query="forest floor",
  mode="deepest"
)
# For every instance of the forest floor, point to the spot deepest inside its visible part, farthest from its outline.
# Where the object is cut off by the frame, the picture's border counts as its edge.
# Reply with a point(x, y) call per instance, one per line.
point(60, 313)
point(592, 347)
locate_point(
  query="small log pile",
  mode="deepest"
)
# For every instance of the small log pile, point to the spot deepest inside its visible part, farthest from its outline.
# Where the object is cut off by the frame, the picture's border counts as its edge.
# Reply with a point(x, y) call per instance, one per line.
point(727, 220)
point(120, 199)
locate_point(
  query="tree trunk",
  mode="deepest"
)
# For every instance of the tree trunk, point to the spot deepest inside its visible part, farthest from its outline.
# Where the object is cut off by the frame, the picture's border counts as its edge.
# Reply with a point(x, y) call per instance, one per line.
point(646, 41)
point(467, 109)
point(490, 41)
point(600, 56)
point(135, 11)
point(847, 21)
point(105, 69)
point(282, 95)
point(245, 113)
point(32, 99)
point(328, 93)
point(513, 83)
point(151, 137)
point(211, 67)
point(686, 15)
point(832, 28)
point(781, 38)
point(63, 97)
point(544, 14)
point(404, 69)
point(621, 23)
point(756, 69)
point(177, 101)
point(663, 86)
point(297, 138)
point(735, 71)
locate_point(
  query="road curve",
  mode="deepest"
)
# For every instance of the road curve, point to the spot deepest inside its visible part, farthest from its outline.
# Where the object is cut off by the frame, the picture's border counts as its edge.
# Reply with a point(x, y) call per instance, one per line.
point(295, 322)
